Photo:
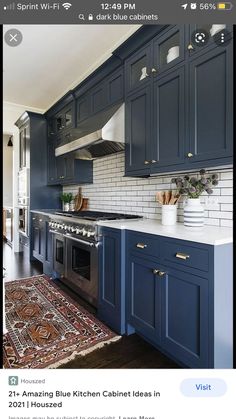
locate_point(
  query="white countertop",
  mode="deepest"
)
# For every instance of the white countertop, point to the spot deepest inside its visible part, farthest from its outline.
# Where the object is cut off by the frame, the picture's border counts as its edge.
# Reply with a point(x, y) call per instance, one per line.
point(207, 234)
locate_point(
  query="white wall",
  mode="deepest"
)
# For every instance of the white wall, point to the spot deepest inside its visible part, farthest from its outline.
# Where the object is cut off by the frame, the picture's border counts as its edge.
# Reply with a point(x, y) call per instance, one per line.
point(7, 173)
point(115, 193)
point(11, 112)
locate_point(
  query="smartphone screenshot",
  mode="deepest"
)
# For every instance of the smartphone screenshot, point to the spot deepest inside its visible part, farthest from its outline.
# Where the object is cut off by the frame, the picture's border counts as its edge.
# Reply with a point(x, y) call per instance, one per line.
point(117, 209)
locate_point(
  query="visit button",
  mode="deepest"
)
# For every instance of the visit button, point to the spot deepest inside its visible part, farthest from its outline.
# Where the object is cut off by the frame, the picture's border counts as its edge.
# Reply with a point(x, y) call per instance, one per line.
point(203, 387)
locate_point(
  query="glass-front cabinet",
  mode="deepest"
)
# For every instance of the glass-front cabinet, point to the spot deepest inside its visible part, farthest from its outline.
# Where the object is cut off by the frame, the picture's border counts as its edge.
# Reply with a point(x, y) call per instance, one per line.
point(138, 68)
point(168, 49)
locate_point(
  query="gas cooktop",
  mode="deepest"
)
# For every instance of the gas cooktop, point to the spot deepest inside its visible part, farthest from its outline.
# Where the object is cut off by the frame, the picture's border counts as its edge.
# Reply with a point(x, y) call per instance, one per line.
point(97, 215)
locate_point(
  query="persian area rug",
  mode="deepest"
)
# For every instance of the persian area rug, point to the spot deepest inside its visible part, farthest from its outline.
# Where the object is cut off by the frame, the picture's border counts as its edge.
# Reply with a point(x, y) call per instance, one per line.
point(46, 328)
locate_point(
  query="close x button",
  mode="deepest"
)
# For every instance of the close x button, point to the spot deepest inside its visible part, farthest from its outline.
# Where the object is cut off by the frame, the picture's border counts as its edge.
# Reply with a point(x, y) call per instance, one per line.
point(13, 37)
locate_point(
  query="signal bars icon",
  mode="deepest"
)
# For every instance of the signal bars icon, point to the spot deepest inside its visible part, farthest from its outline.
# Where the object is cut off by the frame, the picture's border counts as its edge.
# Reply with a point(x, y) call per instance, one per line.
point(9, 7)
point(67, 6)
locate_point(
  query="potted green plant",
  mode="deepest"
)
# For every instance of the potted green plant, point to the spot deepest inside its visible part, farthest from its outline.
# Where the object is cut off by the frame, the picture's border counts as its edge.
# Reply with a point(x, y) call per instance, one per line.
point(193, 187)
point(66, 199)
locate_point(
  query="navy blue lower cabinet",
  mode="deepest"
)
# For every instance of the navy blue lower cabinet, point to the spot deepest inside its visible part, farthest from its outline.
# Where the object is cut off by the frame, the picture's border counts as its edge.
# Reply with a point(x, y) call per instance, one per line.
point(185, 322)
point(47, 261)
point(144, 297)
point(111, 304)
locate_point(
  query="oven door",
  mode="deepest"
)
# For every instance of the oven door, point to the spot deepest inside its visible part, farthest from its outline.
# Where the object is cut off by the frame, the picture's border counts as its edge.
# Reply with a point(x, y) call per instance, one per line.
point(58, 253)
point(82, 268)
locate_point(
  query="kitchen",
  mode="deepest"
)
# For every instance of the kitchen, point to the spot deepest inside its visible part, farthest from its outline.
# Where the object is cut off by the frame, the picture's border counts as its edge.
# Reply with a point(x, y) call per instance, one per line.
point(153, 116)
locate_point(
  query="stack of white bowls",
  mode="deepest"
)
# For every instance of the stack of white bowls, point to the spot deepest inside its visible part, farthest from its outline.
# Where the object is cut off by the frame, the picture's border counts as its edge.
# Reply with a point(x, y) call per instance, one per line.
point(216, 28)
point(173, 53)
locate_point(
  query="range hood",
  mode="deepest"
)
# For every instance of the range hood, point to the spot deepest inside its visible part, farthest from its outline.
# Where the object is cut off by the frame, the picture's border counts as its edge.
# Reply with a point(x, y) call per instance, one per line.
point(99, 136)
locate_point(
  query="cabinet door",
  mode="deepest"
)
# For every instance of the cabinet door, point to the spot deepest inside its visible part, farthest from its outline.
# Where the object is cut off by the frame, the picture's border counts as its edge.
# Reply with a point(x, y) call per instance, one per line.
point(61, 168)
point(169, 120)
point(138, 132)
point(168, 50)
point(47, 261)
point(115, 87)
point(111, 299)
point(137, 69)
point(185, 320)
point(37, 233)
point(83, 108)
point(51, 166)
point(144, 297)
point(211, 106)
point(99, 97)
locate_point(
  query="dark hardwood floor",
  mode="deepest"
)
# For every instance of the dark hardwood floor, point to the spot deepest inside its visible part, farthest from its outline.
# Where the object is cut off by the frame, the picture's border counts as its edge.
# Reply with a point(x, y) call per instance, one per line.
point(17, 265)
point(129, 352)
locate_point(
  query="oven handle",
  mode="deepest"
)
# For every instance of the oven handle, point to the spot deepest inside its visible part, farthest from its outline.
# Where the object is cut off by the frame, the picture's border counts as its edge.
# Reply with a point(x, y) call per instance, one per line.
point(68, 236)
point(56, 232)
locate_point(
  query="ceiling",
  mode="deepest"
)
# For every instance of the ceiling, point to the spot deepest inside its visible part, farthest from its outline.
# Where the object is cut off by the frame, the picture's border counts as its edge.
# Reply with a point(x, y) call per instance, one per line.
point(54, 58)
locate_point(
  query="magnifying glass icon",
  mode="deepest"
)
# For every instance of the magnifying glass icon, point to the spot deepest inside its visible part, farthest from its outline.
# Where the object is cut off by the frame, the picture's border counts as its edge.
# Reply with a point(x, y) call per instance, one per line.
point(81, 16)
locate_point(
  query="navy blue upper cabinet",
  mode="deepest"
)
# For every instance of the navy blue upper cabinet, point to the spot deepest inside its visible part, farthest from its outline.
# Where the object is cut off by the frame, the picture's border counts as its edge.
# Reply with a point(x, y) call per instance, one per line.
point(62, 120)
point(105, 93)
point(138, 69)
point(168, 49)
point(169, 120)
point(185, 322)
point(211, 107)
point(138, 111)
point(187, 103)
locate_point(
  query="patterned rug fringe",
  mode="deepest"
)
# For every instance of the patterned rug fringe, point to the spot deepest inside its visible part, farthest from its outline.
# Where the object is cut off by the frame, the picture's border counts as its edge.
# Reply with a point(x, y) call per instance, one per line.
point(85, 352)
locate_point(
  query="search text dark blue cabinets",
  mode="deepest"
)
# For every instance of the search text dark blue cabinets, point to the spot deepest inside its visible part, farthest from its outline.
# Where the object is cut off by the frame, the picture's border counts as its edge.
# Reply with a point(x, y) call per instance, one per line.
point(211, 107)
point(111, 305)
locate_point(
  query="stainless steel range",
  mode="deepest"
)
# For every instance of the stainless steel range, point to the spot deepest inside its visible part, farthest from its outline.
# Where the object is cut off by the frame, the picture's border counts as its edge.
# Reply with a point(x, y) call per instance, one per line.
point(75, 249)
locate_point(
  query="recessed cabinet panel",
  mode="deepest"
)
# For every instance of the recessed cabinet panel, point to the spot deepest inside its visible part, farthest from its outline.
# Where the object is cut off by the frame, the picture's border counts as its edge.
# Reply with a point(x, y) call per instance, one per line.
point(185, 318)
point(83, 108)
point(211, 105)
point(144, 291)
point(99, 98)
point(138, 130)
point(138, 69)
point(168, 49)
point(115, 87)
point(169, 120)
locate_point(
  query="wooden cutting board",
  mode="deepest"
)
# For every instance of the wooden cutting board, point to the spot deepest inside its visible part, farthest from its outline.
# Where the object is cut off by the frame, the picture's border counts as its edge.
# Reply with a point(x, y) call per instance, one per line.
point(78, 200)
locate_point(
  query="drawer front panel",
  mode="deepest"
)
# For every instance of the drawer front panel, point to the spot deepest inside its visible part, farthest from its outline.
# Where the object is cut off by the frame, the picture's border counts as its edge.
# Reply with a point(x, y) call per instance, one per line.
point(144, 244)
point(185, 255)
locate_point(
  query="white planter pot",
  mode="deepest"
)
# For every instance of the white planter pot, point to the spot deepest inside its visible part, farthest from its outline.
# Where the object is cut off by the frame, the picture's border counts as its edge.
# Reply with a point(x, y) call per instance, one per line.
point(193, 213)
point(66, 207)
point(169, 215)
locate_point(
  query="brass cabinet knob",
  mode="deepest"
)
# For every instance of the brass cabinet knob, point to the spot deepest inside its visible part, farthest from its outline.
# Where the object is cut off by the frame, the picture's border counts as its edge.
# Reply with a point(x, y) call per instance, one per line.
point(161, 273)
point(146, 161)
point(33, 218)
point(155, 271)
point(190, 154)
point(190, 47)
point(153, 161)
point(40, 220)
point(154, 70)
point(141, 245)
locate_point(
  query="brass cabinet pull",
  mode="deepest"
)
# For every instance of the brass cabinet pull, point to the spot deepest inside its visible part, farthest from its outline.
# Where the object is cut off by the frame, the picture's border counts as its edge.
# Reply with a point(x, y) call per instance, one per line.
point(40, 220)
point(155, 271)
point(153, 161)
point(190, 154)
point(146, 161)
point(183, 256)
point(141, 245)
point(33, 218)
point(190, 47)
point(154, 70)
point(161, 273)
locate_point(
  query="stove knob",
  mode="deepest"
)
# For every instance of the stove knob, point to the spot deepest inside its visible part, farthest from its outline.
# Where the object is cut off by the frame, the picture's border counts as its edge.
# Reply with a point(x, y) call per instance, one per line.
point(88, 233)
point(84, 232)
point(77, 231)
point(92, 233)
point(73, 229)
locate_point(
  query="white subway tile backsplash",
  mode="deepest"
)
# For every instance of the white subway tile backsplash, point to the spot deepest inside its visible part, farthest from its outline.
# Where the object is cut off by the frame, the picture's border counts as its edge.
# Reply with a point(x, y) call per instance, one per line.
point(111, 191)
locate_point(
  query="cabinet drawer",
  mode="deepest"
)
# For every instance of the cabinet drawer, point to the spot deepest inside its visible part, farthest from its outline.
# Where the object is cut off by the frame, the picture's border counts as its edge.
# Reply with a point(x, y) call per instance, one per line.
point(145, 244)
point(185, 255)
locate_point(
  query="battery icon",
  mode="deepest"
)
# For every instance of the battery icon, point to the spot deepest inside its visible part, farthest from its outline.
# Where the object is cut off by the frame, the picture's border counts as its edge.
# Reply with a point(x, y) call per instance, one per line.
point(224, 6)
